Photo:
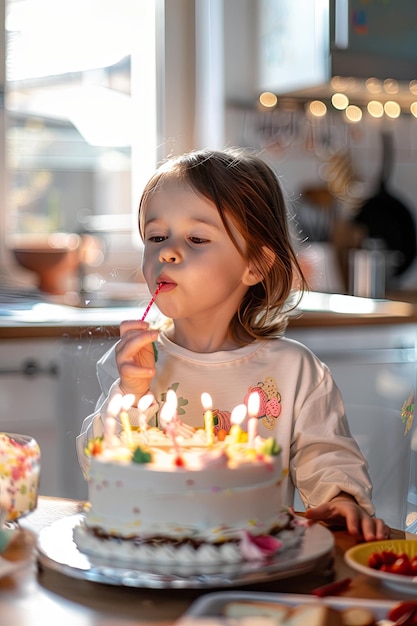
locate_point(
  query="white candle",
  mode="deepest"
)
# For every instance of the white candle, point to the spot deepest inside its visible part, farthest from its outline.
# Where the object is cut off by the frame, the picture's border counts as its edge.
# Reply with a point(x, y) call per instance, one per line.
point(109, 430)
point(253, 410)
point(208, 417)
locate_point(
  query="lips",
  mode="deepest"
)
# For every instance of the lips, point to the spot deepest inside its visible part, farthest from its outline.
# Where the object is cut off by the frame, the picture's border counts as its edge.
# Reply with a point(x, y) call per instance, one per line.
point(165, 283)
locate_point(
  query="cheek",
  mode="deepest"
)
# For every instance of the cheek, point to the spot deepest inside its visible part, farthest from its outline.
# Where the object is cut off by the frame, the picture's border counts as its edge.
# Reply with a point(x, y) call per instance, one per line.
point(147, 262)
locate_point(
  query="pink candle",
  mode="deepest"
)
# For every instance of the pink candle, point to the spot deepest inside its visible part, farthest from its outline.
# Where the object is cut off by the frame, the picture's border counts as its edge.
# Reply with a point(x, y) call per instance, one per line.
point(168, 417)
point(109, 430)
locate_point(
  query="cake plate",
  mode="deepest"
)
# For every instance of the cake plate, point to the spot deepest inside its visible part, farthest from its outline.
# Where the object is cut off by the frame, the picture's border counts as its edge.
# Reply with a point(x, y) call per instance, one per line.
point(57, 551)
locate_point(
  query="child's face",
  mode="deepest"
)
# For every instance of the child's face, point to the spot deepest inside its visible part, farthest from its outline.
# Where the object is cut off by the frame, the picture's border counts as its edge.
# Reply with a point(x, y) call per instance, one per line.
point(188, 249)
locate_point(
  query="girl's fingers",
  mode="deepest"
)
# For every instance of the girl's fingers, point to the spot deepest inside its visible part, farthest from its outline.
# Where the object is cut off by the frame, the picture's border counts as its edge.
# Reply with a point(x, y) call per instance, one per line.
point(133, 342)
point(128, 325)
point(133, 372)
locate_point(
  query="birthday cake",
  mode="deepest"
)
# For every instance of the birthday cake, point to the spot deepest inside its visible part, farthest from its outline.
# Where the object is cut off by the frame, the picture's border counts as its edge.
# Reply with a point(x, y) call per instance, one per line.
point(188, 499)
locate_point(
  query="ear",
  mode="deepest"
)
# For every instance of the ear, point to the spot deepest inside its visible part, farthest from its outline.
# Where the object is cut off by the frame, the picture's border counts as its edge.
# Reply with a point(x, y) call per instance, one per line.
point(252, 276)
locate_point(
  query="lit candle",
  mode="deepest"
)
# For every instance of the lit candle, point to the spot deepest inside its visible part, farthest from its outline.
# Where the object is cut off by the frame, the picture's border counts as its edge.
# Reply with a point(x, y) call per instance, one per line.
point(236, 419)
point(113, 409)
point(253, 410)
point(208, 417)
point(168, 417)
point(109, 430)
point(127, 402)
point(144, 404)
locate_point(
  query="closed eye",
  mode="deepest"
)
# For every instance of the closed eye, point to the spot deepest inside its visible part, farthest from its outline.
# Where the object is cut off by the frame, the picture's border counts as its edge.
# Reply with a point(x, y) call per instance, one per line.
point(199, 240)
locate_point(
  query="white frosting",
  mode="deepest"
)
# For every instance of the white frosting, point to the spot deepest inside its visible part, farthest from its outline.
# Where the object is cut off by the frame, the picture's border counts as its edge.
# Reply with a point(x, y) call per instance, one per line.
point(212, 504)
point(214, 494)
point(203, 558)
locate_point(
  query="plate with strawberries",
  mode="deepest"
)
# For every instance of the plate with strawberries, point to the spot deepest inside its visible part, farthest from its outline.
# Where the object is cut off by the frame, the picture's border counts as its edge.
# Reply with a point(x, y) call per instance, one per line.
point(394, 562)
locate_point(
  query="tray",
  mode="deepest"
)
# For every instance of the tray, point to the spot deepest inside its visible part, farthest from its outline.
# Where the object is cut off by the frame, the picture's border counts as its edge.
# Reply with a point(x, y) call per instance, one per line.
point(210, 606)
point(57, 550)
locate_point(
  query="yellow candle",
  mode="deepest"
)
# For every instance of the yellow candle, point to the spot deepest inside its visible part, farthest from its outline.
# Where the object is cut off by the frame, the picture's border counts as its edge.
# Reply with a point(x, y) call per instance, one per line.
point(208, 417)
point(124, 418)
point(127, 402)
point(236, 418)
point(235, 433)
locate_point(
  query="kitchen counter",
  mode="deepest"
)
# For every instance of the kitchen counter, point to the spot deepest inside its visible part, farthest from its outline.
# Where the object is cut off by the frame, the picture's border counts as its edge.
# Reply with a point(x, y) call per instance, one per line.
point(29, 597)
point(41, 319)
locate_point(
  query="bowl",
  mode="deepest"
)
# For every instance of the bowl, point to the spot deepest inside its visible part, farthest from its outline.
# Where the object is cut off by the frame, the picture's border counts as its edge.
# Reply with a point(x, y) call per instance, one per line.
point(357, 557)
point(20, 464)
point(54, 258)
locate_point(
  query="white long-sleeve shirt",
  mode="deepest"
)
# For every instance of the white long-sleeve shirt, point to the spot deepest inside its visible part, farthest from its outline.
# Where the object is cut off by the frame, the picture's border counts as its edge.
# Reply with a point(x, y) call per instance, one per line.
point(301, 406)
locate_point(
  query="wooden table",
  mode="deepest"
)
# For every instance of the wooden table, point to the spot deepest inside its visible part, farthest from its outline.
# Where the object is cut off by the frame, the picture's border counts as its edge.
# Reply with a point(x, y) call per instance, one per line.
point(33, 598)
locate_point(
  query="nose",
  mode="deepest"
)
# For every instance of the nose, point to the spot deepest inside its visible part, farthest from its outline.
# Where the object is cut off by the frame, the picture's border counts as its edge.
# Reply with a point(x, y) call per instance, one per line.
point(169, 255)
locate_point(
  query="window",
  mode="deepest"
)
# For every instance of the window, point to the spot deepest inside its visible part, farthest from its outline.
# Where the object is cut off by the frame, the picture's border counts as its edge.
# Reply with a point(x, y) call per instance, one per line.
point(81, 118)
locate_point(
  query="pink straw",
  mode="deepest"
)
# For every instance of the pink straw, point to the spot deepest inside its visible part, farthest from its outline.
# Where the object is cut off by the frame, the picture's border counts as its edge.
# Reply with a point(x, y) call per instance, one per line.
point(157, 290)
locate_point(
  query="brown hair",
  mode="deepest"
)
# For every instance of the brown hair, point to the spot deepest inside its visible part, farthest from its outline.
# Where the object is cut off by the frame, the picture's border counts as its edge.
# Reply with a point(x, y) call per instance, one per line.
point(246, 192)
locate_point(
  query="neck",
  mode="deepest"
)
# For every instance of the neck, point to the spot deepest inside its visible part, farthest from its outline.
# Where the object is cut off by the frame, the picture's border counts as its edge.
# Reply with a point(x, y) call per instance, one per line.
point(200, 337)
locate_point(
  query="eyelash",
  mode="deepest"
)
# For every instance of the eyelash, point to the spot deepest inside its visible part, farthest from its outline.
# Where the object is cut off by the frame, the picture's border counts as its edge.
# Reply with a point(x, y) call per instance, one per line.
point(161, 238)
point(198, 240)
point(157, 238)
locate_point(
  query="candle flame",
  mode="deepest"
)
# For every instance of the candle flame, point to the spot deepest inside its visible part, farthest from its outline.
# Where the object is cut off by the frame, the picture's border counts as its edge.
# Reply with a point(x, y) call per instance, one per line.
point(206, 401)
point(253, 404)
point(169, 407)
point(145, 402)
point(238, 414)
point(127, 401)
point(172, 398)
point(115, 405)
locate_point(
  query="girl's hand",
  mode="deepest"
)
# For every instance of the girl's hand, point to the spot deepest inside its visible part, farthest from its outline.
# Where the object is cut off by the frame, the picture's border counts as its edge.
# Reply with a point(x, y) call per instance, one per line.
point(135, 357)
point(343, 510)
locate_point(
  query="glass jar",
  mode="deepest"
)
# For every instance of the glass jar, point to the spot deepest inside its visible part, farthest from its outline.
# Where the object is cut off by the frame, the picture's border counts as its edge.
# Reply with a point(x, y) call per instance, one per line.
point(20, 463)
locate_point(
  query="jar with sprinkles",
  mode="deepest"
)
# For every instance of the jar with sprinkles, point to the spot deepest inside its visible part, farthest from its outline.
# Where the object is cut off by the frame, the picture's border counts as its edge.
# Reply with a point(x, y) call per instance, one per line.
point(20, 462)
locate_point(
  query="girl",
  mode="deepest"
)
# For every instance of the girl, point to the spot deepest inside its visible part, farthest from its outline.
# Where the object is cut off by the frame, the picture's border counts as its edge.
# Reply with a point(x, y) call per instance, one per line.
point(217, 244)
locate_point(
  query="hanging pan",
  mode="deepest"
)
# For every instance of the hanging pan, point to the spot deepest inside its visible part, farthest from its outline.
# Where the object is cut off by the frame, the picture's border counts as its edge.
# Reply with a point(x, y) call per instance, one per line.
point(386, 217)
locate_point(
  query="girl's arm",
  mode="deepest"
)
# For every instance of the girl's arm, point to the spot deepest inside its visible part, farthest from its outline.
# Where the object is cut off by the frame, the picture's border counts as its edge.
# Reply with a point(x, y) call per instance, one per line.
point(93, 425)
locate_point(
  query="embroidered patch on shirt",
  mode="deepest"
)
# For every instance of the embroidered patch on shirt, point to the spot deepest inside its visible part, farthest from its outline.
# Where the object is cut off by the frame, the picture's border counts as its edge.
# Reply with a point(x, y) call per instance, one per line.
point(270, 401)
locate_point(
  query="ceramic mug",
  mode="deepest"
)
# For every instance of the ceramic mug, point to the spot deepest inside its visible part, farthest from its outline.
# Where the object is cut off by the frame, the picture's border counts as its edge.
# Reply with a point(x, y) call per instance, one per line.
point(20, 463)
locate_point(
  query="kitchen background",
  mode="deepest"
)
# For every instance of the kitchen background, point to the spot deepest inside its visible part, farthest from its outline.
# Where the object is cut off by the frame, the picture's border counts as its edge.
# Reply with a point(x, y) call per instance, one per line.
point(96, 93)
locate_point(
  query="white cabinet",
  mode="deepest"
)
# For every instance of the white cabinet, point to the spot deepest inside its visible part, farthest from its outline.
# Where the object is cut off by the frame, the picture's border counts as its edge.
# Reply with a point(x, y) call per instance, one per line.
point(375, 369)
point(29, 400)
point(47, 387)
point(372, 365)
